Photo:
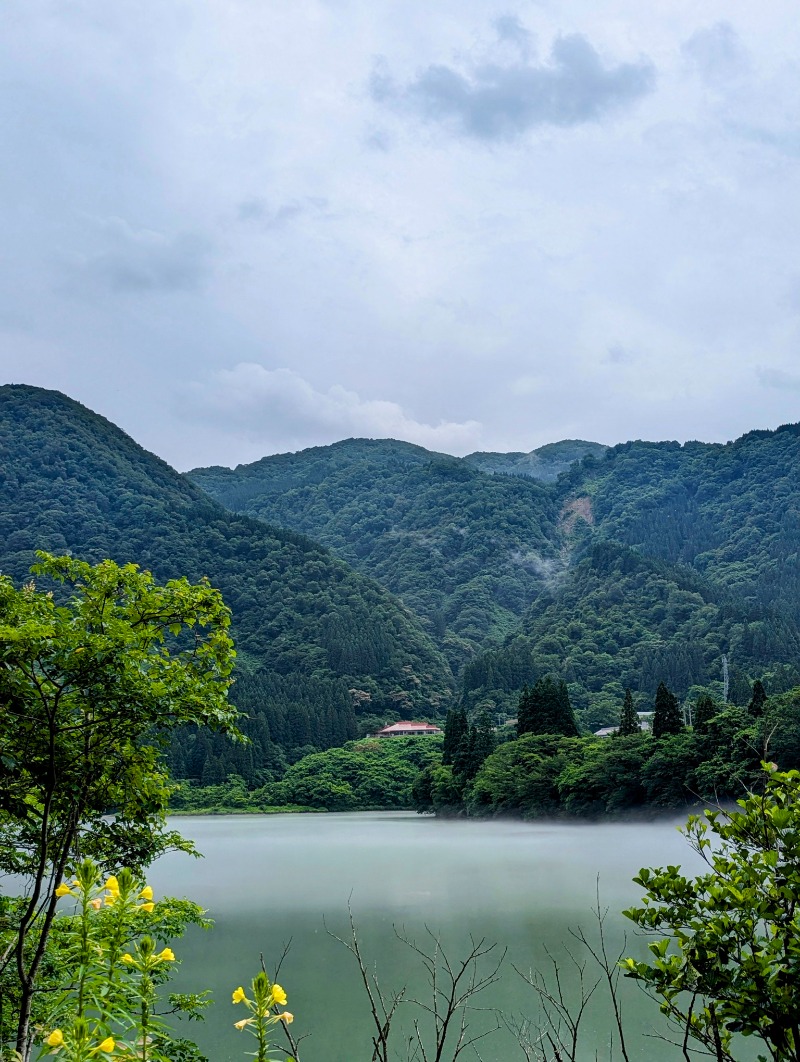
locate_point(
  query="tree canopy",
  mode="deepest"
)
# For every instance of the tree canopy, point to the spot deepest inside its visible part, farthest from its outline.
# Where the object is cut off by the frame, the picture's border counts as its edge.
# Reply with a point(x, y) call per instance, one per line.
point(90, 681)
point(727, 957)
point(545, 708)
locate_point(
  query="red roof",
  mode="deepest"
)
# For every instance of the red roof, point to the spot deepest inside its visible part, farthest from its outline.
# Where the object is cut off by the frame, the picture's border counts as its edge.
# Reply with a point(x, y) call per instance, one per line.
point(406, 725)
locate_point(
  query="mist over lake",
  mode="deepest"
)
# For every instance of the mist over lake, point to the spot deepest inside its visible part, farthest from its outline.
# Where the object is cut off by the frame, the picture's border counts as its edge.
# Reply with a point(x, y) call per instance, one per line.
point(267, 880)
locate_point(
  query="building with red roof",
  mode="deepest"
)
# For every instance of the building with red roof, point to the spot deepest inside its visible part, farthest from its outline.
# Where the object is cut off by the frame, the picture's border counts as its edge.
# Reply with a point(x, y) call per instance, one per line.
point(407, 728)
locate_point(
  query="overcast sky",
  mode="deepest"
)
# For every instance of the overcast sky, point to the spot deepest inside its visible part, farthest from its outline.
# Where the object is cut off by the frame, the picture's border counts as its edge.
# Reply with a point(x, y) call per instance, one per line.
point(239, 227)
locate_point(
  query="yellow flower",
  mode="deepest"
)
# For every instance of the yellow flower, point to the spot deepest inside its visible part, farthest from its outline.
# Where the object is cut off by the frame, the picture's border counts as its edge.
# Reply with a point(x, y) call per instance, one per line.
point(55, 1039)
point(112, 884)
point(111, 898)
point(242, 1024)
point(64, 890)
point(107, 1046)
point(146, 893)
point(287, 1016)
point(238, 995)
point(278, 995)
point(167, 955)
point(128, 958)
point(146, 907)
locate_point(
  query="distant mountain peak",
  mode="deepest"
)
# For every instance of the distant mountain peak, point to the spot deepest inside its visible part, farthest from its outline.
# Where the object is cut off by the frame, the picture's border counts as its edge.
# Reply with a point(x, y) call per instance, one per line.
point(545, 463)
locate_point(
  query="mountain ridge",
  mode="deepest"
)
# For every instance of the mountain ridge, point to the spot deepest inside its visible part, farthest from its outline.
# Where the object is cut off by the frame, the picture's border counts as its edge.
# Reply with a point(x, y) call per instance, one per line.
point(308, 628)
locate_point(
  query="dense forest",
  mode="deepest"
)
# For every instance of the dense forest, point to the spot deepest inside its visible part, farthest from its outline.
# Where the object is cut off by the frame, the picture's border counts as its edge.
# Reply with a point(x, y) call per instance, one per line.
point(642, 563)
point(464, 550)
point(322, 651)
point(374, 580)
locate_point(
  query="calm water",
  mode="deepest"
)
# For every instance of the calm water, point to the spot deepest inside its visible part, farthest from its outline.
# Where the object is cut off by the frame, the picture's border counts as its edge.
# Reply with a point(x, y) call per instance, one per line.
point(270, 880)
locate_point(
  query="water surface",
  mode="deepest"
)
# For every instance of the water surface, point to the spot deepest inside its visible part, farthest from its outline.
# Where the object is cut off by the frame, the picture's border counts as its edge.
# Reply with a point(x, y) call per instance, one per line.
point(268, 880)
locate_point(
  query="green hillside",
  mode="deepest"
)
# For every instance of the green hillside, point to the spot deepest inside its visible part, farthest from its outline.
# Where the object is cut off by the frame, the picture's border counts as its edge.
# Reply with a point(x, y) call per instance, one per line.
point(545, 463)
point(732, 512)
point(322, 650)
point(642, 563)
point(619, 619)
point(465, 550)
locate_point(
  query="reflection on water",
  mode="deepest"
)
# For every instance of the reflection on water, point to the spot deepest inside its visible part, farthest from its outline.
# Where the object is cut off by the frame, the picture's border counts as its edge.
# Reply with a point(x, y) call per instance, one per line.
point(267, 880)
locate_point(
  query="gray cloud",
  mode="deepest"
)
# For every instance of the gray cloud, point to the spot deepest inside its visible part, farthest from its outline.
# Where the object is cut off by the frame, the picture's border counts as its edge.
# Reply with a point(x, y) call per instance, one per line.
point(271, 404)
point(716, 52)
point(779, 379)
point(143, 260)
point(496, 102)
point(258, 211)
point(617, 354)
point(500, 286)
point(510, 28)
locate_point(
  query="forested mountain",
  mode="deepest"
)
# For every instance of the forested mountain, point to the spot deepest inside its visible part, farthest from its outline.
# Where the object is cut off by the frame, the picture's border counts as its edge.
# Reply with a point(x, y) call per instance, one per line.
point(467, 551)
point(322, 650)
point(643, 563)
point(545, 463)
point(620, 619)
point(732, 512)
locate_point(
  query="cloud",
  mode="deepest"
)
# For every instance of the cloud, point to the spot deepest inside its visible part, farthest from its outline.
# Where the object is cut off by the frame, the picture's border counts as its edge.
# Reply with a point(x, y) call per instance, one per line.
point(617, 354)
point(273, 405)
point(501, 102)
point(143, 260)
point(511, 30)
point(779, 379)
point(258, 211)
point(716, 52)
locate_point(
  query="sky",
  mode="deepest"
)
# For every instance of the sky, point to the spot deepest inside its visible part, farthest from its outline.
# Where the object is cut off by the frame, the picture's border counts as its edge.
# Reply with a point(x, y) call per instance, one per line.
point(242, 227)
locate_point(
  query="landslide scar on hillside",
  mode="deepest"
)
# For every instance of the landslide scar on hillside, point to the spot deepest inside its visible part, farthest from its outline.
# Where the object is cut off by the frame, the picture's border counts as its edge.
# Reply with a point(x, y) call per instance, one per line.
point(573, 510)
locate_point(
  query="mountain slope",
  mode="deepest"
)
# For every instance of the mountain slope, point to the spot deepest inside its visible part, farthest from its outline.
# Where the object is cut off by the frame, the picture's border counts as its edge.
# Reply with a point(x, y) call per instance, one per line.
point(467, 550)
point(731, 512)
point(307, 627)
point(642, 563)
point(620, 619)
point(545, 463)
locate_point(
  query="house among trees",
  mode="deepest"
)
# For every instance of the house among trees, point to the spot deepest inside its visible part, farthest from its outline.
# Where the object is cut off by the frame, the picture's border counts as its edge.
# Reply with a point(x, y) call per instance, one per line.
point(405, 728)
point(645, 723)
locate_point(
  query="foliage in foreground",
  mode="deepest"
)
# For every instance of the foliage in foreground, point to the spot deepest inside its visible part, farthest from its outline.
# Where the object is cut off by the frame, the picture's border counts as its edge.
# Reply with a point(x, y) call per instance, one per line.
point(88, 682)
point(109, 963)
point(727, 960)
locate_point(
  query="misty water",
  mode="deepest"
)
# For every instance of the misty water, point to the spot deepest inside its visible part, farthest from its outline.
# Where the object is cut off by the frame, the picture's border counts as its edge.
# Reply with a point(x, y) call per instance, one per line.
point(274, 879)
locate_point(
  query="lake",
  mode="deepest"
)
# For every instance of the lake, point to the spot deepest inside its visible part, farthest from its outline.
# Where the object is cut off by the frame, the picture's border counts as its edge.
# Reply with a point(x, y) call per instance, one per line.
point(274, 879)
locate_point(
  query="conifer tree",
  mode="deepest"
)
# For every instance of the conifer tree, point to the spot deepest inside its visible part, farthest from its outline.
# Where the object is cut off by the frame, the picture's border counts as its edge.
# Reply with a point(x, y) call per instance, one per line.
point(545, 708)
point(704, 710)
point(456, 728)
point(758, 700)
point(525, 711)
point(628, 720)
point(481, 743)
point(667, 716)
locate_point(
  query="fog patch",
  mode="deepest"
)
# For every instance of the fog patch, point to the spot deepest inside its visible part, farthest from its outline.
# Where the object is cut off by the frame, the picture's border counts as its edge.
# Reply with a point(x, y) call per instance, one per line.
point(551, 570)
point(275, 405)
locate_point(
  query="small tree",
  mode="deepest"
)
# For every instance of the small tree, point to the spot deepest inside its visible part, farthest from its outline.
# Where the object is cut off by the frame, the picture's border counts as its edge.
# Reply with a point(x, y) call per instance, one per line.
point(758, 700)
point(476, 746)
point(704, 712)
point(667, 715)
point(628, 720)
point(87, 685)
point(728, 957)
point(456, 728)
